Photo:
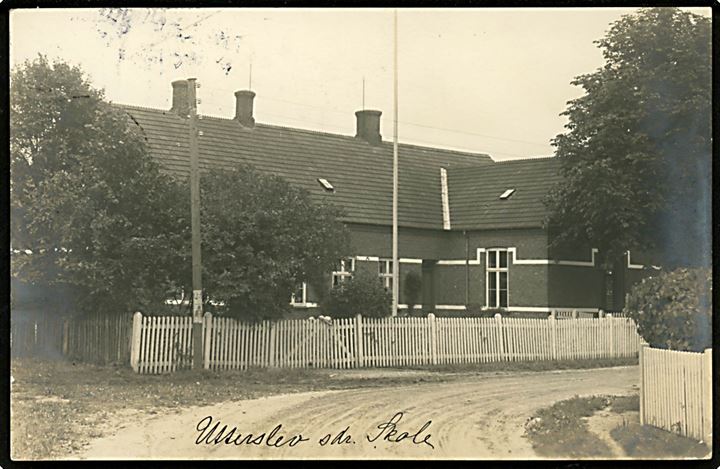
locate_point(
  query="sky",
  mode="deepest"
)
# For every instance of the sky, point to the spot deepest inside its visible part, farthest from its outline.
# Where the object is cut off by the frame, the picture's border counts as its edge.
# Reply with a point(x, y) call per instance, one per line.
point(480, 80)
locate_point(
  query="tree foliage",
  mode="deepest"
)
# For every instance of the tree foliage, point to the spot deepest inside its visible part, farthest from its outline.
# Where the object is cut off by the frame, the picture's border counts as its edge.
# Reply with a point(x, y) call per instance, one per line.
point(261, 237)
point(363, 293)
point(636, 156)
point(673, 310)
point(89, 208)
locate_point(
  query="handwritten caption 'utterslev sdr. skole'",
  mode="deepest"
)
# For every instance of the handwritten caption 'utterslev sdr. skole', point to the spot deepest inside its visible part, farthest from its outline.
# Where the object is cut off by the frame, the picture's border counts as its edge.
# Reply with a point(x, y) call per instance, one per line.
point(214, 432)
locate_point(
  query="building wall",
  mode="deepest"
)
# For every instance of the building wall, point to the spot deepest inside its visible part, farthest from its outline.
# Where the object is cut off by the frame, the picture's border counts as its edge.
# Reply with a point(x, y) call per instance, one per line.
point(454, 283)
point(455, 272)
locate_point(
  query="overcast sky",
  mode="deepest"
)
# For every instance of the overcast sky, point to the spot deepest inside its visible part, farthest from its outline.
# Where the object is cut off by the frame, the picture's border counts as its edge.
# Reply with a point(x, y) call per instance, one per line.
point(486, 80)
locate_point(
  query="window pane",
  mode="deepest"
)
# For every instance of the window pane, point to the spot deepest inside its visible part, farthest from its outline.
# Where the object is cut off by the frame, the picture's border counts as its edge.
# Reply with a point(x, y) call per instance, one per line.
point(503, 280)
point(492, 261)
point(492, 281)
point(381, 267)
point(297, 296)
point(390, 267)
point(503, 299)
point(492, 298)
point(503, 259)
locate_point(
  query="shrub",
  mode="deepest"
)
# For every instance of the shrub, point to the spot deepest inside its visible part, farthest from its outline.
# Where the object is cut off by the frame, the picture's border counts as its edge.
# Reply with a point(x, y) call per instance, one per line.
point(363, 293)
point(672, 310)
point(411, 288)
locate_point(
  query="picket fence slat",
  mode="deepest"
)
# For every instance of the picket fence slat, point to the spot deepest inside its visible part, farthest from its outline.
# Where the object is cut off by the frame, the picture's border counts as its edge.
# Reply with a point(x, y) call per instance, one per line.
point(165, 345)
point(676, 391)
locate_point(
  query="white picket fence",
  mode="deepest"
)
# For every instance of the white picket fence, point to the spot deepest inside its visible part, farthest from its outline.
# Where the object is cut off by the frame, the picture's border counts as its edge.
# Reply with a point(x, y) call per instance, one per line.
point(162, 344)
point(676, 391)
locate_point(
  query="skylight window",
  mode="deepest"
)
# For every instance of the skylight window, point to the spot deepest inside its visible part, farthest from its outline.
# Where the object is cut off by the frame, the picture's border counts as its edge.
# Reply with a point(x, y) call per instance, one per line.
point(507, 194)
point(326, 184)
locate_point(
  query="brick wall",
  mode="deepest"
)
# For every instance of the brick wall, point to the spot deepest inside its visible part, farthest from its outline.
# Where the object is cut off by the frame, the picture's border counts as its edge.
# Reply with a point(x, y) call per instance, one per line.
point(530, 286)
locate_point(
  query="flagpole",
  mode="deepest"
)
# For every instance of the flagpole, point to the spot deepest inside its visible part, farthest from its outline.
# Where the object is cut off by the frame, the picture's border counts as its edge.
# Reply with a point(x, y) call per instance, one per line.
point(396, 269)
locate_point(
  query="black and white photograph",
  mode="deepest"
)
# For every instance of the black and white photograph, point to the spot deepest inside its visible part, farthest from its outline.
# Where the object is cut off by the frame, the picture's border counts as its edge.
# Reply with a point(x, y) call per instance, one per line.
point(360, 233)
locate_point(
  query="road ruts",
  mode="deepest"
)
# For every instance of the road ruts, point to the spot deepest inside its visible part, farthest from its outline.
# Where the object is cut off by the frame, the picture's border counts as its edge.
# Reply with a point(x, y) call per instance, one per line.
point(473, 417)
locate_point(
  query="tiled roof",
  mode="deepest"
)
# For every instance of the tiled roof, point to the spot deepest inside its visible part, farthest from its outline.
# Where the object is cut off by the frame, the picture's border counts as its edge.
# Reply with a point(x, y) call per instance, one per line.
point(361, 173)
point(474, 193)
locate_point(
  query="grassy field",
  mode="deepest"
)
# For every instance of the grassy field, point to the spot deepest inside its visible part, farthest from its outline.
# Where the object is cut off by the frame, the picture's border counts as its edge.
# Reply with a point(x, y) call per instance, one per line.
point(561, 431)
point(58, 406)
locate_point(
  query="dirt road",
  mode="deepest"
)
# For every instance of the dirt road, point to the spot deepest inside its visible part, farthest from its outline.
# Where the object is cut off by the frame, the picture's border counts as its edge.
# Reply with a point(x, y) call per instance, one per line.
point(471, 417)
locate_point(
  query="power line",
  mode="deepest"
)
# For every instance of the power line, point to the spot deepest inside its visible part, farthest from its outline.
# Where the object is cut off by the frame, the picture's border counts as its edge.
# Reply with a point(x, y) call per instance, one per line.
point(414, 124)
point(413, 141)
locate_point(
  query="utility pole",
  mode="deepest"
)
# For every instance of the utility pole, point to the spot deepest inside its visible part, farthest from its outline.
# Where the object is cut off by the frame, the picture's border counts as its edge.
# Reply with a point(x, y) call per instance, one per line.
point(195, 220)
point(396, 267)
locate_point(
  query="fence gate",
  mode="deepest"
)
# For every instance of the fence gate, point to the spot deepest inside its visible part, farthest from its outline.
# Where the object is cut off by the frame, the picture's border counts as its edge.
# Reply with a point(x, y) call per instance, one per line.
point(313, 344)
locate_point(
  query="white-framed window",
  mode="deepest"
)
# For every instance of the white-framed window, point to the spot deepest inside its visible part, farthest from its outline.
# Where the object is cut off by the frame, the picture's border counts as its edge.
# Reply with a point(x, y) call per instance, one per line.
point(496, 278)
point(343, 270)
point(299, 296)
point(385, 271)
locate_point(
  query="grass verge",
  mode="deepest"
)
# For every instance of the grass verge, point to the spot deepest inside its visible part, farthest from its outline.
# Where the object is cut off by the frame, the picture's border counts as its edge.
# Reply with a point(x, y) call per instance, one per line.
point(644, 441)
point(560, 431)
point(539, 365)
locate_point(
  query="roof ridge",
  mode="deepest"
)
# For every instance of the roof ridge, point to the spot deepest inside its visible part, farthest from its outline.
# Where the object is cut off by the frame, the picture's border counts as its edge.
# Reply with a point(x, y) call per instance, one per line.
point(527, 158)
point(503, 162)
point(317, 132)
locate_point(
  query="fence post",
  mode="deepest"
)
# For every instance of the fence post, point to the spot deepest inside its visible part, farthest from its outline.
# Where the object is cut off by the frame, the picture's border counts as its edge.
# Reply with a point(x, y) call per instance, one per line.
point(359, 340)
point(271, 360)
point(207, 324)
point(553, 334)
point(501, 334)
point(135, 341)
point(66, 334)
point(641, 361)
point(707, 395)
point(433, 338)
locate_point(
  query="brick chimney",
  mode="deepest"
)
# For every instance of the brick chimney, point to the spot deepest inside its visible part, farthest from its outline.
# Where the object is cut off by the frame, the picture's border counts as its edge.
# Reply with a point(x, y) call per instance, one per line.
point(180, 98)
point(368, 126)
point(244, 107)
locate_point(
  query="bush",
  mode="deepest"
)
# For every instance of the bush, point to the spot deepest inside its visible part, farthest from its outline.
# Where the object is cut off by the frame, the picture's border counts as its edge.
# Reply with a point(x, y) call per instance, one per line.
point(411, 288)
point(363, 293)
point(672, 310)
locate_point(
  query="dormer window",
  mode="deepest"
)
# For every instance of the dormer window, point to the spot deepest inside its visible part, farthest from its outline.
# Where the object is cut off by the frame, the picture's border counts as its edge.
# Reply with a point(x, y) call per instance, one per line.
point(326, 184)
point(507, 194)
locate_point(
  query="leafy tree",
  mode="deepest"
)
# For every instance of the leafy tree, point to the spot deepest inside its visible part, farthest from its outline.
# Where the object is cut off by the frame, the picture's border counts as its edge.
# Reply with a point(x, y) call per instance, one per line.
point(636, 156)
point(363, 293)
point(673, 310)
point(261, 237)
point(90, 210)
point(411, 288)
